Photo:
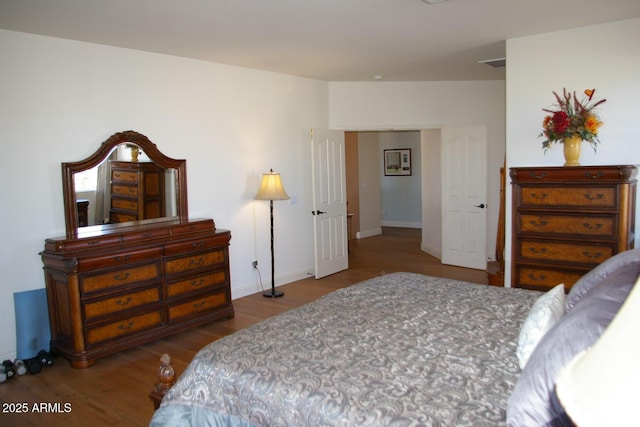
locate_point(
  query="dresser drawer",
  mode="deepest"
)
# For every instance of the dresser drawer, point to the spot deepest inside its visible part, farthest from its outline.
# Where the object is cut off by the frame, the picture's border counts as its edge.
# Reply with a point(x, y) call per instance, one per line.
point(127, 301)
point(199, 245)
point(124, 176)
point(194, 262)
point(119, 259)
point(119, 277)
point(546, 278)
point(571, 196)
point(126, 204)
point(123, 327)
point(586, 254)
point(117, 217)
point(583, 225)
point(196, 283)
point(124, 190)
point(183, 311)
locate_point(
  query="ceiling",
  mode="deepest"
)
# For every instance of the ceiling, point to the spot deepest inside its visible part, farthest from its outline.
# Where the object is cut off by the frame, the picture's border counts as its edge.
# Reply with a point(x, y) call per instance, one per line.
point(331, 40)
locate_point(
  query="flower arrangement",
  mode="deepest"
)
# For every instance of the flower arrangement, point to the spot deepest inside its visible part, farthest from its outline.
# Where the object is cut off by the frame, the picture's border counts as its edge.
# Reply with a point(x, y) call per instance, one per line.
point(572, 117)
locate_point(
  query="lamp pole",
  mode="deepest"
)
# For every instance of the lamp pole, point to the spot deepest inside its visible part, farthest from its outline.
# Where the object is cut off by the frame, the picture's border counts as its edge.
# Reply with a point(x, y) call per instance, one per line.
point(272, 293)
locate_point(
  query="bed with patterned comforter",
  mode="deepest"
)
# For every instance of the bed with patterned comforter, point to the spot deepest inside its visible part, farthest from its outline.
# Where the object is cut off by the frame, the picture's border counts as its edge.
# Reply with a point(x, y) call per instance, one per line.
point(401, 349)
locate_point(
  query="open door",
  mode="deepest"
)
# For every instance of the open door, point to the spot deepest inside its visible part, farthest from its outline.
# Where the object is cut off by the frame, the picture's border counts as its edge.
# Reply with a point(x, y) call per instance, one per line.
point(464, 197)
point(329, 201)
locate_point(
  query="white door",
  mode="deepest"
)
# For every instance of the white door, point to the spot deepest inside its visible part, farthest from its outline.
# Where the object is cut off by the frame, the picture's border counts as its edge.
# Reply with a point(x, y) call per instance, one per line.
point(464, 197)
point(329, 201)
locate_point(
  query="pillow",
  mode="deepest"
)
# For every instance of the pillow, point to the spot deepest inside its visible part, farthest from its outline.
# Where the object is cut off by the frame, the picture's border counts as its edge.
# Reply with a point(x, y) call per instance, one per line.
point(531, 403)
point(544, 313)
point(595, 276)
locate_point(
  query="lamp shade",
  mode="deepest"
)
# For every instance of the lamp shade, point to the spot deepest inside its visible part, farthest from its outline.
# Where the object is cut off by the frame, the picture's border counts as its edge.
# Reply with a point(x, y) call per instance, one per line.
point(599, 387)
point(271, 187)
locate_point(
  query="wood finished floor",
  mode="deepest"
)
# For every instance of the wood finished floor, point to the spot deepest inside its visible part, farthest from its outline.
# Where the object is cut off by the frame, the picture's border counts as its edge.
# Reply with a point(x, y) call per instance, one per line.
point(114, 392)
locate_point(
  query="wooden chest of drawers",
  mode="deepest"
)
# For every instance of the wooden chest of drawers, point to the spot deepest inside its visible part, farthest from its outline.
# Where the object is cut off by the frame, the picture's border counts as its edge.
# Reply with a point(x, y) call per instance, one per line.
point(113, 287)
point(137, 191)
point(567, 220)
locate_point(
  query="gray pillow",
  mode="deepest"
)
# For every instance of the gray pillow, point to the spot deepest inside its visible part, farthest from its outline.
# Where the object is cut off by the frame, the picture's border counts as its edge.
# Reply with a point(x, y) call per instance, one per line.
point(595, 276)
point(531, 402)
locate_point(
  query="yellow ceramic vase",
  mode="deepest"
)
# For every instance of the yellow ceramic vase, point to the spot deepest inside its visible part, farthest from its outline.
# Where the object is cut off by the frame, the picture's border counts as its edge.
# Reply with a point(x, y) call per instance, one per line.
point(572, 147)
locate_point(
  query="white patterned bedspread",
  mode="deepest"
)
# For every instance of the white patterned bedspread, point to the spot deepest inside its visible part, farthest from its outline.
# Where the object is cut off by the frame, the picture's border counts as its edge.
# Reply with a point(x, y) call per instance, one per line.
point(398, 350)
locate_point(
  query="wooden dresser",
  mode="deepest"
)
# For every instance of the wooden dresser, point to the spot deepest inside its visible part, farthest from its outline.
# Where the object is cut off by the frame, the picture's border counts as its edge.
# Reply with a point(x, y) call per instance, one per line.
point(567, 220)
point(137, 191)
point(112, 287)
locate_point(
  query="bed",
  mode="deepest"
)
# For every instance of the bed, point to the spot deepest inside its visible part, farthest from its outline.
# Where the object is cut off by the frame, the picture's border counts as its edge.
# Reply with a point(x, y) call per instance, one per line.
point(401, 349)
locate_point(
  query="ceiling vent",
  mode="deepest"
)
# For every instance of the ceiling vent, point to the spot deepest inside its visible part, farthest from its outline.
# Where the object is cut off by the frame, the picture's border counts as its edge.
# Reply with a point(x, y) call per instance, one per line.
point(495, 63)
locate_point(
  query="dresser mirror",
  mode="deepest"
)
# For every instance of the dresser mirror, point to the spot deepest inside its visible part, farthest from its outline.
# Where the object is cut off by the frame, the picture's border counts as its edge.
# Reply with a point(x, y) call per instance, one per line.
point(126, 179)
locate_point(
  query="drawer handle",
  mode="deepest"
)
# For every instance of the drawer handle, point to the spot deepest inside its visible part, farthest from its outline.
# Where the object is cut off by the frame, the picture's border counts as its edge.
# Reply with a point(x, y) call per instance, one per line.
point(600, 174)
point(124, 302)
point(542, 196)
point(125, 327)
point(197, 262)
point(197, 283)
point(122, 258)
point(199, 304)
point(132, 190)
point(538, 251)
point(198, 244)
point(540, 223)
point(593, 255)
point(534, 277)
point(117, 175)
point(124, 276)
point(589, 226)
point(598, 196)
point(535, 176)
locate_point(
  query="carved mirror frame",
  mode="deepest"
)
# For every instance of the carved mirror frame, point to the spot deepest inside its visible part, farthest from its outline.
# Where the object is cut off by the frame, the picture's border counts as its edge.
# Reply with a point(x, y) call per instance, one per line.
point(152, 152)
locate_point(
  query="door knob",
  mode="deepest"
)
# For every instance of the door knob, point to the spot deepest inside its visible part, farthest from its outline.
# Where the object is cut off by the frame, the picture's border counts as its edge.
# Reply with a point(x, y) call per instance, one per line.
point(481, 206)
point(317, 212)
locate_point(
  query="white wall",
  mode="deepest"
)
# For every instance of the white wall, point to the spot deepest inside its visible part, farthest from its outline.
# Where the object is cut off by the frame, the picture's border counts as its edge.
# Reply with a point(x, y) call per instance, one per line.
point(431, 193)
point(428, 105)
point(401, 195)
point(61, 99)
point(369, 184)
point(605, 57)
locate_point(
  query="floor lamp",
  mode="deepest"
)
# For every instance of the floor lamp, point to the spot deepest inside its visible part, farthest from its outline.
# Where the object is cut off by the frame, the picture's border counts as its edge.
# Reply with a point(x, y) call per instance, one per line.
point(271, 189)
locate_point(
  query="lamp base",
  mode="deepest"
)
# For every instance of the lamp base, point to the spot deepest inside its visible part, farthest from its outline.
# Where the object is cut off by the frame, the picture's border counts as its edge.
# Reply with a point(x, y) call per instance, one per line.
point(272, 294)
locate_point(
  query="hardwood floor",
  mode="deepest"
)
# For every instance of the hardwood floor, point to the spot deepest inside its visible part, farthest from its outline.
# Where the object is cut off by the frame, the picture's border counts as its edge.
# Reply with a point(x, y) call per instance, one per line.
point(115, 390)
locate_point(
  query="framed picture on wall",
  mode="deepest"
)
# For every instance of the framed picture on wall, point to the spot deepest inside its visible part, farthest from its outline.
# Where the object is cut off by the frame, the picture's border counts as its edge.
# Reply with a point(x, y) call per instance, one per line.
point(397, 162)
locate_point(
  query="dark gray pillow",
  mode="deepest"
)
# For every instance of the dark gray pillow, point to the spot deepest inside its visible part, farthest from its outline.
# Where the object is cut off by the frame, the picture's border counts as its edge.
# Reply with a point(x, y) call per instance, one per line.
point(531, 402)
point(595, 276)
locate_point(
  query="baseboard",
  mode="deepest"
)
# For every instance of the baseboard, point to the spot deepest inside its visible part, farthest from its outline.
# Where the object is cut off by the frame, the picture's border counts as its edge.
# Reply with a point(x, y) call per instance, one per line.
point(401, 224)
point(254, 288)
point(437, 253)
point(368, 233)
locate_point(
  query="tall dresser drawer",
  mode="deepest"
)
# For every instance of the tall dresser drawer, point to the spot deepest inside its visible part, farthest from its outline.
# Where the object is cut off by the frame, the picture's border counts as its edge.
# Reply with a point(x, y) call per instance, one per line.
point(179, 312)
point(565, 251)
point(121, 302)
point(194, 262)
point(196, 283)
point(541, 278)
point(583, 225)
point(124, 190)
point(124, 176)
point(98, 334)
point(593, 197)
point(118, 277)
point(126, 204)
